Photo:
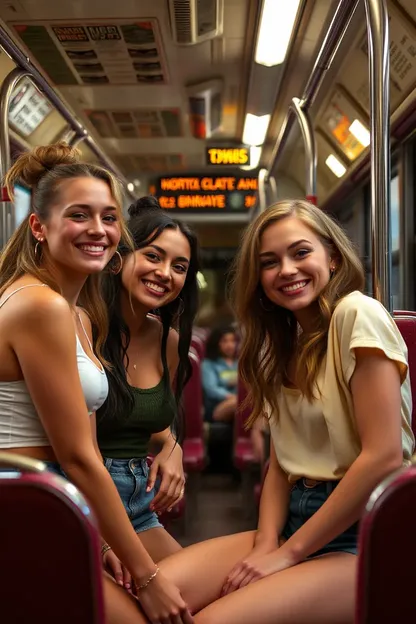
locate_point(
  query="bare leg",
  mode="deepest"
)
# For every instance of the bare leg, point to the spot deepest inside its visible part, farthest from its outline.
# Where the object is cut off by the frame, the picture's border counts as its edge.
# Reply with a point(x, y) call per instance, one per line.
point(200, 570)
point(225, 411)
point(319, 591)
point(120, 607)
point(159, 543)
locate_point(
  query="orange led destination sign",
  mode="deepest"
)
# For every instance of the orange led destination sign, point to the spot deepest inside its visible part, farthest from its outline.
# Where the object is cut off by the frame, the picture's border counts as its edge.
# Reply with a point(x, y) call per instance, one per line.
point(228, 156)
point(231, 193)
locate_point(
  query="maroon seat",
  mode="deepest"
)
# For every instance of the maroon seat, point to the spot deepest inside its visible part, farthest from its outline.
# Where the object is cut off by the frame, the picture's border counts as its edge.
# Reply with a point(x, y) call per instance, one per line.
point(50, 548)
point(243, 448)
point(406, 322)
point(387, 552)
point(198, 345)
point(193, 445)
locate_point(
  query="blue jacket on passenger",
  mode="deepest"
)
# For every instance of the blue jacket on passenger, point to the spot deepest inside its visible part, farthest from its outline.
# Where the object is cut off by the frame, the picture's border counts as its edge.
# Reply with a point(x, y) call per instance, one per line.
point(219, 380)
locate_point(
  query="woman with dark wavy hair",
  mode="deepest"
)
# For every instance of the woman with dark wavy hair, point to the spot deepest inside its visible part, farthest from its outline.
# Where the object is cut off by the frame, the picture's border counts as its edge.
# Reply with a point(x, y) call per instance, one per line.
point(152, 303)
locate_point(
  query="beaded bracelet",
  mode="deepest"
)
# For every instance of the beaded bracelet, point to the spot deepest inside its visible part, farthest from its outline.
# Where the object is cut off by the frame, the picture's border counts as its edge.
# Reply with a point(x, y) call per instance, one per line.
point(146, 583)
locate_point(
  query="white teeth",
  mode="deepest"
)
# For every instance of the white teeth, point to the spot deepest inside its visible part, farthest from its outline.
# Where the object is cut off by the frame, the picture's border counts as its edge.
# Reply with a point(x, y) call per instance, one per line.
point(294, 287)
point(155, 287)
point(92, 247)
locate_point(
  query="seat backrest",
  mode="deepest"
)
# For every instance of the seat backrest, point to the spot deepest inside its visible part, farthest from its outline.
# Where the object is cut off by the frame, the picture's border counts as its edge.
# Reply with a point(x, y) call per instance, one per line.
point(199, 345)
point(50, 551)
point(241, 415)
point(387, 552)
point(406, 322)
point(193, 400)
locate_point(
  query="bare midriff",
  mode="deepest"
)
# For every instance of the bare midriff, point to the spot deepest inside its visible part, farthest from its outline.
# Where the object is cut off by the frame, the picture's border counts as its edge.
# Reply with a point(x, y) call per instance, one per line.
point(44, 453)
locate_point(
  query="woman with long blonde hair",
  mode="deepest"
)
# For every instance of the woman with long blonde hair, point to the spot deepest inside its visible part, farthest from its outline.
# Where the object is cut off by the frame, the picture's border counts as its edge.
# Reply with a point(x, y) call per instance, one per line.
point(328, 367)
point(52, 378)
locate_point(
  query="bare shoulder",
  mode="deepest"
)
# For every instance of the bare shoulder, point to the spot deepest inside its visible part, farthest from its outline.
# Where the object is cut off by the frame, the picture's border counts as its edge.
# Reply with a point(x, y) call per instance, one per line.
point(38, 306)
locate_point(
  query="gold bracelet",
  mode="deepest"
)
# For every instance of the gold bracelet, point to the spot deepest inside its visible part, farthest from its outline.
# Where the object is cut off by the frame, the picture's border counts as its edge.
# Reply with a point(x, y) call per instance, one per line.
point(105, 548)
point(146, 583)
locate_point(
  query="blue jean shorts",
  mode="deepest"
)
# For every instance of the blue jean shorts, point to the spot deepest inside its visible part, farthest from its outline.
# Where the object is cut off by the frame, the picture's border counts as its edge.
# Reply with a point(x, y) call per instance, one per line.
point(304, 503)
point(130, 478)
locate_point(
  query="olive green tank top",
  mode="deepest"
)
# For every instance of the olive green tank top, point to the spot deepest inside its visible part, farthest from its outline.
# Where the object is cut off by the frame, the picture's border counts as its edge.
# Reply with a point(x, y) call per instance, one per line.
point(127, 436)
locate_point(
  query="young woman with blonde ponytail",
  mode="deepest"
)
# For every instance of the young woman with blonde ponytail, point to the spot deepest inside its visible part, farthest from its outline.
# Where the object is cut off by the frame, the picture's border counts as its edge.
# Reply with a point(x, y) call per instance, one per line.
point(52, 379)
point(329, 368)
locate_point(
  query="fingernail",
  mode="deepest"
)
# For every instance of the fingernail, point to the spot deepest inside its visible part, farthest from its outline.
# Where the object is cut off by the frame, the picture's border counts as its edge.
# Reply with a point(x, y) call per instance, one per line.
point(127, 585)
point(120, 582)
point(148, 488)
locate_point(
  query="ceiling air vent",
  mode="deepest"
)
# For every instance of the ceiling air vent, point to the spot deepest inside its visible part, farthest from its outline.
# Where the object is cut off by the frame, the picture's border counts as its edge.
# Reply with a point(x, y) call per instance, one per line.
point(194, 21)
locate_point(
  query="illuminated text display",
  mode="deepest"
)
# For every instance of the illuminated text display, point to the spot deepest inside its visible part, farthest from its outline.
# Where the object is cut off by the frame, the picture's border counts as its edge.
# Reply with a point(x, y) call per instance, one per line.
point(207, 193)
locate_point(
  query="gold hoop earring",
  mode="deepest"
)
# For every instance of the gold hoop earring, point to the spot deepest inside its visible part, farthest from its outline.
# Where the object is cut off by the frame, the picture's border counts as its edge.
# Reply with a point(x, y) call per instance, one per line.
point(117, 269)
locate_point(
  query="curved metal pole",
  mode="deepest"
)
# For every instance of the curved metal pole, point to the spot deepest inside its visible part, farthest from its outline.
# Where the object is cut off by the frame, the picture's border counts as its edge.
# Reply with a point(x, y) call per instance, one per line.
point(308, 135)
point(76, 139)
point(379, 66)
point(16, 54)
point(262, 190)
point(273, 188)
point(6, 207)
point(339, 24)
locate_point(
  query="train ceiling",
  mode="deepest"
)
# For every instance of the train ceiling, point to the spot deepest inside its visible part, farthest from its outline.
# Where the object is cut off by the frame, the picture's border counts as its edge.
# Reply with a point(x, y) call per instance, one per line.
point(154, 104)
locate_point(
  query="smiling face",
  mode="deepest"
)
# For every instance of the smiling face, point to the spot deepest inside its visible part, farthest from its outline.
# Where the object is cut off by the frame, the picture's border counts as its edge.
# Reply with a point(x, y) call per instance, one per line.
point(155, 274)
point(82, 231)
point(227, 345)
point(294, 266)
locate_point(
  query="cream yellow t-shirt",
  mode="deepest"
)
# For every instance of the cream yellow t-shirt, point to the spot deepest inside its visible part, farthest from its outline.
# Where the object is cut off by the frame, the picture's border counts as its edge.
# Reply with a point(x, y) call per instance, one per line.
point(319, 439)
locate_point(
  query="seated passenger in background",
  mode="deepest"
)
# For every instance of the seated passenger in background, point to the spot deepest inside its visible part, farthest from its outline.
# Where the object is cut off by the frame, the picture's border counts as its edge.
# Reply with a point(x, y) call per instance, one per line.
point(147, 355)
point(220, 375)
point(329, 367)
point(52, 380)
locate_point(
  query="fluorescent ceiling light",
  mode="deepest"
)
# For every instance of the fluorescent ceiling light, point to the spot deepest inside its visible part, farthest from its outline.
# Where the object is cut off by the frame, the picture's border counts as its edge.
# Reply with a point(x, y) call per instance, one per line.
point(255, 153)
point(130, 187)
point(276, 26)
point(360, 132)
point(335, 165)
point(255, 129)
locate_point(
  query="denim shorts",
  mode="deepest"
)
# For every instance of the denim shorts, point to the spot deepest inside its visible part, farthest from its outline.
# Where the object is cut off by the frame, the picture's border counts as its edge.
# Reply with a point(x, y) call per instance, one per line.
point(130, 477)
point(304, 502)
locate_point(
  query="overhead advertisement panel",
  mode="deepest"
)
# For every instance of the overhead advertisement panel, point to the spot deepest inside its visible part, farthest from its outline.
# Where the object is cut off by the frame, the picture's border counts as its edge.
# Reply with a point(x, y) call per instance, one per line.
point(207, 193)
point(97, 53)
point(28, 108)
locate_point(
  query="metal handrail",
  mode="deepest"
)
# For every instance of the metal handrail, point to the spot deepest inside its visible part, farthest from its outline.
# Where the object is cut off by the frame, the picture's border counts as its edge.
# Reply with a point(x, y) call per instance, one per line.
point(262, 181)
point(379, 69)
point(335, 33)
point(6, 90)
point(311, 158)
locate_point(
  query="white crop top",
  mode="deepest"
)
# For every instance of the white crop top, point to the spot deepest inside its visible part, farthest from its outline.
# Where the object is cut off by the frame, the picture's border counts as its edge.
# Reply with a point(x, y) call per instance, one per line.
point(20, 425)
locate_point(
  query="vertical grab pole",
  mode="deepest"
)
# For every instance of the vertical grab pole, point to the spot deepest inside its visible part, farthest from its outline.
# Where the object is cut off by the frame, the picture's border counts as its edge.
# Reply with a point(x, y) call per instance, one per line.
point(311, 158)
point(379, 68)
point(262, 190)
point(273, 188)
point(6, 207)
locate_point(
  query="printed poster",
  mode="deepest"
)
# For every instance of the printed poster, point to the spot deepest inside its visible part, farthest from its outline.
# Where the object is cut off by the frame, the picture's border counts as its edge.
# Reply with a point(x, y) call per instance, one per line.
point(98, 53)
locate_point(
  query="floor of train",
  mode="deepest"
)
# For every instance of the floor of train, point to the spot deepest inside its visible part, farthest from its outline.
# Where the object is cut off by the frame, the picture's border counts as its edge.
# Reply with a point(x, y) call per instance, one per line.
point(222, 510)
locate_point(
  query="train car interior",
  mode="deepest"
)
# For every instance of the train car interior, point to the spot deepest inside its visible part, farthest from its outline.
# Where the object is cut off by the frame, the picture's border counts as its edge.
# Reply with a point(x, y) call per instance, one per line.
point(219, 108)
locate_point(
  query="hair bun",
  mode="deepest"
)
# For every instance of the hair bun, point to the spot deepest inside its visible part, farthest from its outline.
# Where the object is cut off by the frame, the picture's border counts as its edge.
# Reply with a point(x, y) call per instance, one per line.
point(31, 166)
point(143, 205)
